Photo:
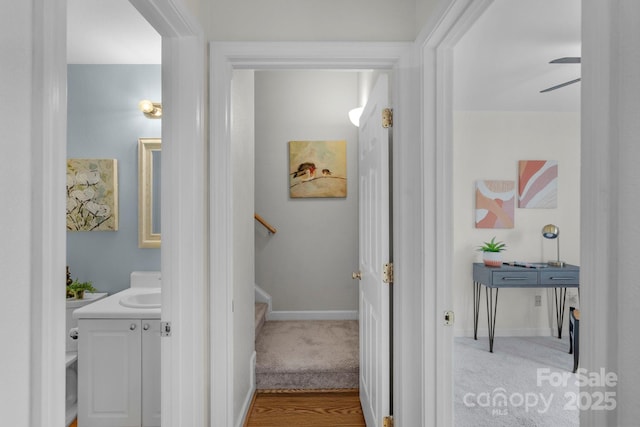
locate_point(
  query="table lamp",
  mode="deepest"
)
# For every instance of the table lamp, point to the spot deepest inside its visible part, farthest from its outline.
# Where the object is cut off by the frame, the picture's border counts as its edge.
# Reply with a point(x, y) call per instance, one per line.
point(551, 231)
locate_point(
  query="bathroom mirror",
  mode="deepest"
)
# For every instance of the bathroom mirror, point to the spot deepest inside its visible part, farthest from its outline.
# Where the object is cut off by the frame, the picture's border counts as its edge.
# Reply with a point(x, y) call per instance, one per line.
point(149, 166)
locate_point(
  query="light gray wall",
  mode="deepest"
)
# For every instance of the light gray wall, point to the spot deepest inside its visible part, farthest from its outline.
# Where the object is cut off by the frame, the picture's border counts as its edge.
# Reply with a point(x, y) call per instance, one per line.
point(104, 122)
point(307, 265)
point(242, 135)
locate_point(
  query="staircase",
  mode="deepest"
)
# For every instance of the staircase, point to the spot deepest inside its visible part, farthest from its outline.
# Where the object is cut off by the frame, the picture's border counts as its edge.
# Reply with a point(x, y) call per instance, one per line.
point(293, 355)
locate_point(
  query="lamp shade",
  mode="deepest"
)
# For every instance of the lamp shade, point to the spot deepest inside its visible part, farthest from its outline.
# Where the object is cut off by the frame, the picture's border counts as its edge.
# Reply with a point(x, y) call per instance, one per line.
point(354, 116)
point(550, 231)
point(151, 110)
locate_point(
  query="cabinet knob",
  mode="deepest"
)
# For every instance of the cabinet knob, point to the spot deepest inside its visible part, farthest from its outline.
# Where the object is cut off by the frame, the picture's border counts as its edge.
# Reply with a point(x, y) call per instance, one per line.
point(146, 327)
point(132, 327)
point(356, 275)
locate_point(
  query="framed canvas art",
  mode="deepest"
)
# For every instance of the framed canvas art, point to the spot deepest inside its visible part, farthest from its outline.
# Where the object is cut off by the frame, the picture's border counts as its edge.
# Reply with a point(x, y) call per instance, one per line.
point(495, 204)
point(317, 169)
point(538, 184)
point(92, 195)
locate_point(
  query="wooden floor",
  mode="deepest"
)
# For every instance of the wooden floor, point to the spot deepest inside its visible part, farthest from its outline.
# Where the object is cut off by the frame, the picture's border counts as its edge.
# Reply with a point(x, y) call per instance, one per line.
point(328, 409)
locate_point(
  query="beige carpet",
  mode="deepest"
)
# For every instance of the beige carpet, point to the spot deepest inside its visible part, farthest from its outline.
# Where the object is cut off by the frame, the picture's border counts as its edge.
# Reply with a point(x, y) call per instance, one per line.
point(319, 354)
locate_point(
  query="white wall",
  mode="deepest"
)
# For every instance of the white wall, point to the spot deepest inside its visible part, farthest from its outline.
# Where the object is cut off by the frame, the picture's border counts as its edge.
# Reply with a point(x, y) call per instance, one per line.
point(16, 25)
point(327, 20)
point(307, 264)
point(488, 145)
point(242, 132)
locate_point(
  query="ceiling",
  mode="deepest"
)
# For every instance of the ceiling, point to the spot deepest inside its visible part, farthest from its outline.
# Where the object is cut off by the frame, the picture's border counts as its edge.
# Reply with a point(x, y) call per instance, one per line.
point(110, 32)
point(502, 62)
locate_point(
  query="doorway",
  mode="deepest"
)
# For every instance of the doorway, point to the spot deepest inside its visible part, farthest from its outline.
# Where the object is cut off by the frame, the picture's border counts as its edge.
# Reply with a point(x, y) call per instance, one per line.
point(307, 266)
point(500, 118)
point(288, 56)
point(182, 45)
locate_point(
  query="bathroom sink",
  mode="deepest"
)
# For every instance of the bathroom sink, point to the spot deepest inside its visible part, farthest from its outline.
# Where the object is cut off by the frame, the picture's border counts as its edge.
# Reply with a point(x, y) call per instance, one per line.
point(143, 300)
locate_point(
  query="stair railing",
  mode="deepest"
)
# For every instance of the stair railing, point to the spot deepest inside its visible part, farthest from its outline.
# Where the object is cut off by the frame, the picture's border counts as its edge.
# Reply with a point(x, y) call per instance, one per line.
point(265, 224)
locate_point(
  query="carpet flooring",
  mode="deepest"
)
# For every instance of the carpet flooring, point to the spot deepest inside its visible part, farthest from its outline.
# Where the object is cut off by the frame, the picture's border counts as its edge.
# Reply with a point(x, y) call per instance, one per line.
point(517, 370)
point(319, 354)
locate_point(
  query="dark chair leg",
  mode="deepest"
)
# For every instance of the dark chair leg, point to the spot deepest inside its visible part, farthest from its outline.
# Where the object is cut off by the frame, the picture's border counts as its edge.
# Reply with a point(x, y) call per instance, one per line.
point(574, 336)
point(576, 344)
point(571, 320)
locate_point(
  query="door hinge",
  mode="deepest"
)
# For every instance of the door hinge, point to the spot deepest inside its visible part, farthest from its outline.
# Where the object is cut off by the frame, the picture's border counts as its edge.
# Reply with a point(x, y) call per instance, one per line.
point(387, 421)
point(165, 329)
point(387, 273)
point(387, 118)
point(449, 318)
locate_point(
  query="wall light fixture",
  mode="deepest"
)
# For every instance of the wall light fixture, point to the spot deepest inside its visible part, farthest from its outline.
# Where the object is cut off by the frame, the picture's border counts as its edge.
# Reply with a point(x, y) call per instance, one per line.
point(354, 116)
point(151, 110)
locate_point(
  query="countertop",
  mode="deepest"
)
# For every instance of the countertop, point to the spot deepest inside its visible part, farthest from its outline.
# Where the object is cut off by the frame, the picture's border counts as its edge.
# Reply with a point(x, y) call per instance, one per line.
point(110, 308)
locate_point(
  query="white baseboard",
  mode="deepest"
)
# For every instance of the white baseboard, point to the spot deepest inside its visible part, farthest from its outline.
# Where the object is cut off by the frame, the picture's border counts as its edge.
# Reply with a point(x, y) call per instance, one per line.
point(246, 406)
point(314, 315)
point(522, 332)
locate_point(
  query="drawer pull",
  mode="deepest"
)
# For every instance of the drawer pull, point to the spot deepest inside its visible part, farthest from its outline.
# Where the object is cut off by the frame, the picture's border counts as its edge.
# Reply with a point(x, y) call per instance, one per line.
point(514, 278)
point(562, 278)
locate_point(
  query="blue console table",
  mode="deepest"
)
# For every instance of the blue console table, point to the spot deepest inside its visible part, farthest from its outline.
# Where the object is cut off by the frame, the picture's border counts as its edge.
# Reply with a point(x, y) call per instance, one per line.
point(508, 276)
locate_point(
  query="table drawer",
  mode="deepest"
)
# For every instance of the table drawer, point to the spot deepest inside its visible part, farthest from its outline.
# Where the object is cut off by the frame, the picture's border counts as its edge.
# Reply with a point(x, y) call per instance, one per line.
point(515, 278)
point(559, 277)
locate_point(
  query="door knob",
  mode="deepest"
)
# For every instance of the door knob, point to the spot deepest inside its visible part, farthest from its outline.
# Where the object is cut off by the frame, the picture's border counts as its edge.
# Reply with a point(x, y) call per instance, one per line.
point(357, 275)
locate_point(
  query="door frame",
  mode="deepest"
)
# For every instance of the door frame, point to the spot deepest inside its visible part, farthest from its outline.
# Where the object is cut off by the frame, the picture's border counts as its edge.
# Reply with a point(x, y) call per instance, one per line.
point(437, 42)
point(225, 57)
point(450, 23)
point(184, 225)
point(184, 252)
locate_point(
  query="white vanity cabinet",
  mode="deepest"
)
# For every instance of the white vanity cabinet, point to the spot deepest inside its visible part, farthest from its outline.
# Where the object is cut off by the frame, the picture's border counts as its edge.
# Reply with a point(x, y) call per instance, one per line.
point(119, 372)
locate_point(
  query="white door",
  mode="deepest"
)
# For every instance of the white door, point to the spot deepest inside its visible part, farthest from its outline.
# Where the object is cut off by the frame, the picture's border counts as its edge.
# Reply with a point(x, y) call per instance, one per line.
point(373, 164)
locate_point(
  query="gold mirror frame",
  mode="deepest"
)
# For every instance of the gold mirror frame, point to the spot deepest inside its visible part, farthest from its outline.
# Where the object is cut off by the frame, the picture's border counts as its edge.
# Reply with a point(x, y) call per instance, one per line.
point(146, 237)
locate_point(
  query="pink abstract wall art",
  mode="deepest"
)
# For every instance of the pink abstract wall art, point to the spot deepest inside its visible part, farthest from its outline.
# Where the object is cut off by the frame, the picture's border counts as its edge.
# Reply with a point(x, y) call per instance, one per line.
point(495, 204)
point(538, 184)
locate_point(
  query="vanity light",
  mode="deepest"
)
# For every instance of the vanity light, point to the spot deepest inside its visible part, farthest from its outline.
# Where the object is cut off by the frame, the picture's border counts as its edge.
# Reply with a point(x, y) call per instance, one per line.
point(354, 116)
point(551, 231)
point(151, 110)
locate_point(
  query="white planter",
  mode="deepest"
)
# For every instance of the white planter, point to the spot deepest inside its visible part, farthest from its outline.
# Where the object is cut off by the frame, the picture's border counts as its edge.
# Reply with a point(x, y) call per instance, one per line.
point(492, 259)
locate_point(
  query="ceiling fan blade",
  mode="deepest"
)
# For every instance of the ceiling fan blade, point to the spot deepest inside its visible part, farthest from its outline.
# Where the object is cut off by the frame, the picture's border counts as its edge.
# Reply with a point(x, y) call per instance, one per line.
point(570, 82)
point(567, 60)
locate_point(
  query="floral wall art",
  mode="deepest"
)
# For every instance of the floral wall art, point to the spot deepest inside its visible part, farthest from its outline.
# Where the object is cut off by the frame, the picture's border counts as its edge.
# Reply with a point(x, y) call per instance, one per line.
point(92, 195)
point(495, 204)
point(538, 184)
point(317, 169)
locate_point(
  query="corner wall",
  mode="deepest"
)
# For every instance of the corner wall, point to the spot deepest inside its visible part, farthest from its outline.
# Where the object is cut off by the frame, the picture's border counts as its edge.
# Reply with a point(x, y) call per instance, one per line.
point(488, 145)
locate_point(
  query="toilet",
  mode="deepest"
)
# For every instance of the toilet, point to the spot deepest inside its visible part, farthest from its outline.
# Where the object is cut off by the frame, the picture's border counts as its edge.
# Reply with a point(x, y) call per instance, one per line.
point(71, 406)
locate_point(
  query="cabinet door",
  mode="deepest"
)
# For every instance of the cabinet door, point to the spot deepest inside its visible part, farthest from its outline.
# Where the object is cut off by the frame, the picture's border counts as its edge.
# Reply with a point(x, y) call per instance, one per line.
point(151, 373)
point(109, 375)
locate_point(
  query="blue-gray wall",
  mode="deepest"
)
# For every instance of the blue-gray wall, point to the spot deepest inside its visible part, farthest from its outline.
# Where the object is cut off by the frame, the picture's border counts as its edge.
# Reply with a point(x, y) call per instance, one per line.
point(104, 122)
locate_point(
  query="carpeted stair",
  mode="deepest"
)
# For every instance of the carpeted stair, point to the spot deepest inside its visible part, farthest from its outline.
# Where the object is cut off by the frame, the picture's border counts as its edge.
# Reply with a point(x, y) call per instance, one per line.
point(319, 354)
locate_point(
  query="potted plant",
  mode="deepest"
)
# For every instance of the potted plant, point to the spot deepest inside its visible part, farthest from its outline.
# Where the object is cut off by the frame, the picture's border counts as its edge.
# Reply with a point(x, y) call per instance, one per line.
point(492, 252)
point(77, 289)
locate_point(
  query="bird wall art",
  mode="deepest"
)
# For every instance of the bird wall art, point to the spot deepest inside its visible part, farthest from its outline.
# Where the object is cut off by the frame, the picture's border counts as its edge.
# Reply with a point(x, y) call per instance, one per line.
point(317, 169)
